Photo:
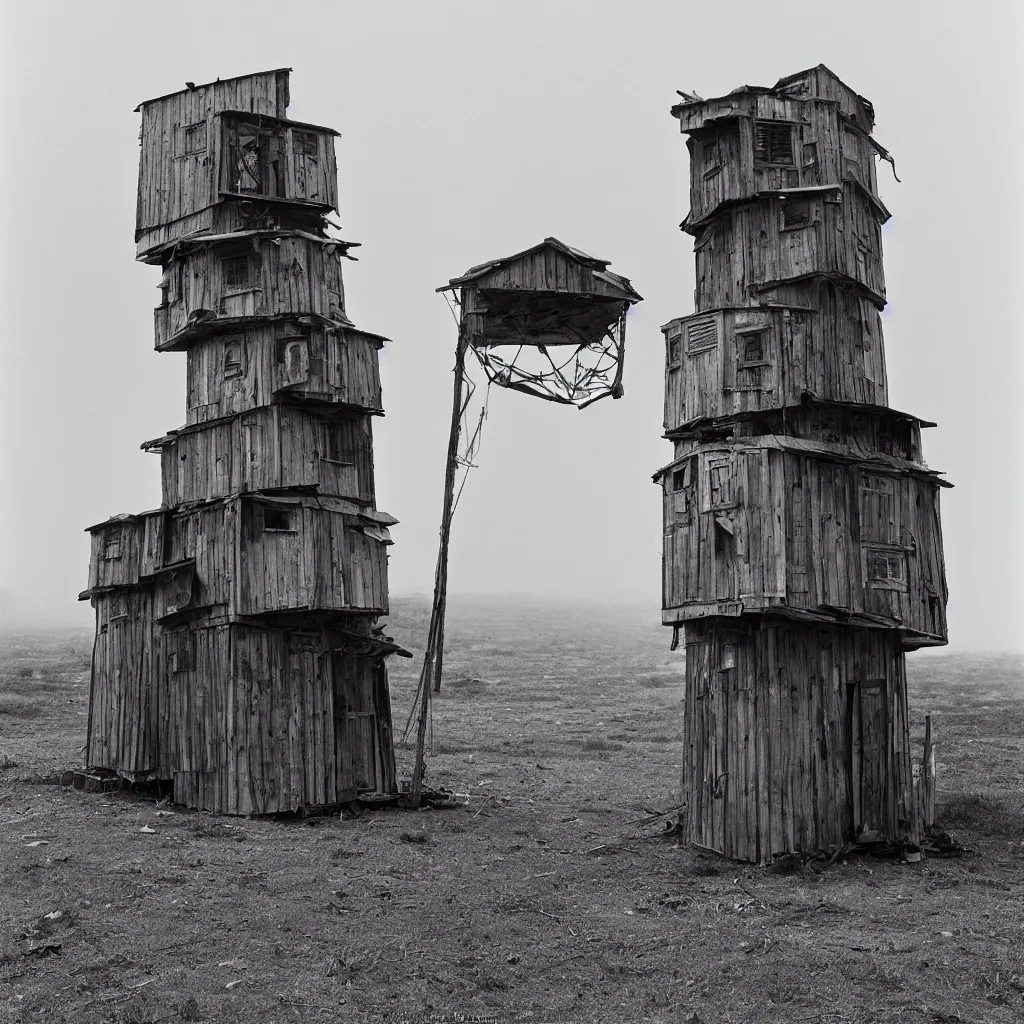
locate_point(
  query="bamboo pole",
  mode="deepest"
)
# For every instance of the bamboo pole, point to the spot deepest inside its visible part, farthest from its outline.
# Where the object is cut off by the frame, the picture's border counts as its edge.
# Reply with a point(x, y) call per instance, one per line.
point(430, 674)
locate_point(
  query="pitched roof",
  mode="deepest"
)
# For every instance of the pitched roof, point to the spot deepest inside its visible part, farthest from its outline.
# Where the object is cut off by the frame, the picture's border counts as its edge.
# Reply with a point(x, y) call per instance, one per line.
point(599, 266)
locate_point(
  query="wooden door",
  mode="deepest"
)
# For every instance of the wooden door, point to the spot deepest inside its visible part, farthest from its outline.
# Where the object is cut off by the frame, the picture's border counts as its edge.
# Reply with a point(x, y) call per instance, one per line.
point(356, 725)
point(868, 755)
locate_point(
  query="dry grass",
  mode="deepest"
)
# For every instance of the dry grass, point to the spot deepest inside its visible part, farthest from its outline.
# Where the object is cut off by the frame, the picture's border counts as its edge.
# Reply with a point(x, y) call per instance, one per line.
point(541, 901)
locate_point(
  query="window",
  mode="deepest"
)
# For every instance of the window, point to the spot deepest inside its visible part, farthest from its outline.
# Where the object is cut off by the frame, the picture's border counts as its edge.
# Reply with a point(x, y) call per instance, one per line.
point(293, 355)
point(278, 520)
point(721, 490)
point(237, 273)
point(338, 447)
point(112, 547)
point(886, 568)
point(195, 139)
point(751, 349)
point(701, 335)
point(675, 350)
point(728, 657)
point(796, 213)
point(247, 162)
point(810, 150)
point(181, 654)
point(304, 143)
point(773, 143)
point(232, 359)
point(711, 159)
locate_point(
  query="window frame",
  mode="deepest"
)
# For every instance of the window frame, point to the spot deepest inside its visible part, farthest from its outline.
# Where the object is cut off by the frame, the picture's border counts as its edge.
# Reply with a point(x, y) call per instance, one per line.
point(774, 130)
point(893, 555)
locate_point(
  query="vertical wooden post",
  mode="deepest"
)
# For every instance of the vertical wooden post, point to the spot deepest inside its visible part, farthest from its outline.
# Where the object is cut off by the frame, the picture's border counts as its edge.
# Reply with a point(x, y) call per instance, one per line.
point(430, 674)
point(928, 772)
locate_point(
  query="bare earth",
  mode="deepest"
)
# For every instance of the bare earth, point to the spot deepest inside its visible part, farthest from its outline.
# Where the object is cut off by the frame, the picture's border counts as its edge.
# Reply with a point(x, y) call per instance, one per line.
point(547, 899)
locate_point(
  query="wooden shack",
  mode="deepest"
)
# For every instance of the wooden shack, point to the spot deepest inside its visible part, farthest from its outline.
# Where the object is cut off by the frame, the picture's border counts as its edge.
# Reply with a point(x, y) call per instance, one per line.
point(237, 654)
point(802, 540)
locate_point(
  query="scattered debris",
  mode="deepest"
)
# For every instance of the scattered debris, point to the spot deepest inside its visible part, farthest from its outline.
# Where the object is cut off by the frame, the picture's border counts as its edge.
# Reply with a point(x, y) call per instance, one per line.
point(148, 830)
point(413, 837)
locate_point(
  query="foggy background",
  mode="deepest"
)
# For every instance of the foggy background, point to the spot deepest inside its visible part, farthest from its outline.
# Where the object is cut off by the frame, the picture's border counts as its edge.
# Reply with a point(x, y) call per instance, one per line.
point(471, 131)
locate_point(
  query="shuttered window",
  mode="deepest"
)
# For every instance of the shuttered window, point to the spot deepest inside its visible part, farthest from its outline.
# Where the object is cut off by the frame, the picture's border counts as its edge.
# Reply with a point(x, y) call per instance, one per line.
point(278, 520)
point(701, 335)
point(112, 548)
point(773, 143)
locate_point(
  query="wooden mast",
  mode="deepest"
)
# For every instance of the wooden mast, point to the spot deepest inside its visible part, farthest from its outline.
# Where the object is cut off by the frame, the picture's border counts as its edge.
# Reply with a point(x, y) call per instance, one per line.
point(430, 674)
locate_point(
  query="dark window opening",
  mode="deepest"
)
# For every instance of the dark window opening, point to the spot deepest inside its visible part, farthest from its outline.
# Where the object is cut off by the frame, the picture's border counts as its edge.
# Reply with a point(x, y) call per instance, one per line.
point(232, 359)
point(278, 520)
point(181, 651)
point(304, 143)
point(796, 214)
point(675, 349)
point(237, 273)
point(773, 143)
point(810, 154)
point(752, 348)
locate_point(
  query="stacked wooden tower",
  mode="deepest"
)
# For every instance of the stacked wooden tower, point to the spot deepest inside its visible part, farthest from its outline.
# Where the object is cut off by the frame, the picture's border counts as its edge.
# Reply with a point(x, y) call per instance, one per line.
point(236, 648)
point(803, 552)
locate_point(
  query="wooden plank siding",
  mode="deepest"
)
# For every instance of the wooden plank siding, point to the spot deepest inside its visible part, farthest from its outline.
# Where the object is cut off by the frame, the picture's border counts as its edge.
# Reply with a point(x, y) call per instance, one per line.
point(289, 359)
point(235, 651)
point(254, 555)
point(793, 738)
point(190, 161)
point(268, 449)
point(748, 247)
point(824, 149)
point(802, 533)
point(761, 358)
point(255, 275)
point(245, 719)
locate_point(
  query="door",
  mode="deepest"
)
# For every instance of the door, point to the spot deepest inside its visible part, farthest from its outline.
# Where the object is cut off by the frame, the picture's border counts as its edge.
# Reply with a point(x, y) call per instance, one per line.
point(868, 755)
point(355, 725)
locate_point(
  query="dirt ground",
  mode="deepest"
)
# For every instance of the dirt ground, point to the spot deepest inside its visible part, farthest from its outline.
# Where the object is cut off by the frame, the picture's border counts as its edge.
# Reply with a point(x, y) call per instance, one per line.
point(546, 899)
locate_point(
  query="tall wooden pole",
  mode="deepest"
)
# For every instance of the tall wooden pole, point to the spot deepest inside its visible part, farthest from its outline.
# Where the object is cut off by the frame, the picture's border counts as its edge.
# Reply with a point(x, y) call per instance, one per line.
point(430, 674)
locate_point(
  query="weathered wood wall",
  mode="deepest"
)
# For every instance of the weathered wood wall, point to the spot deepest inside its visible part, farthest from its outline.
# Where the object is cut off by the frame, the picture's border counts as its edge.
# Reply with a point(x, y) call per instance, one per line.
point(268, 449)
point(724, 362)
point(255, 555)
point(747, 247)
point(755, 527)
point(257, 274)
point(192, 160)
point(244, 718)
point(853, 431)
point(796, 738)
point(239, 371)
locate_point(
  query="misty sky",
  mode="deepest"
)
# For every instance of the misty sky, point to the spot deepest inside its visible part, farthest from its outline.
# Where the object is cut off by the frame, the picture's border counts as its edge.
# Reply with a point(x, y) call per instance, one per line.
point(471, 131)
